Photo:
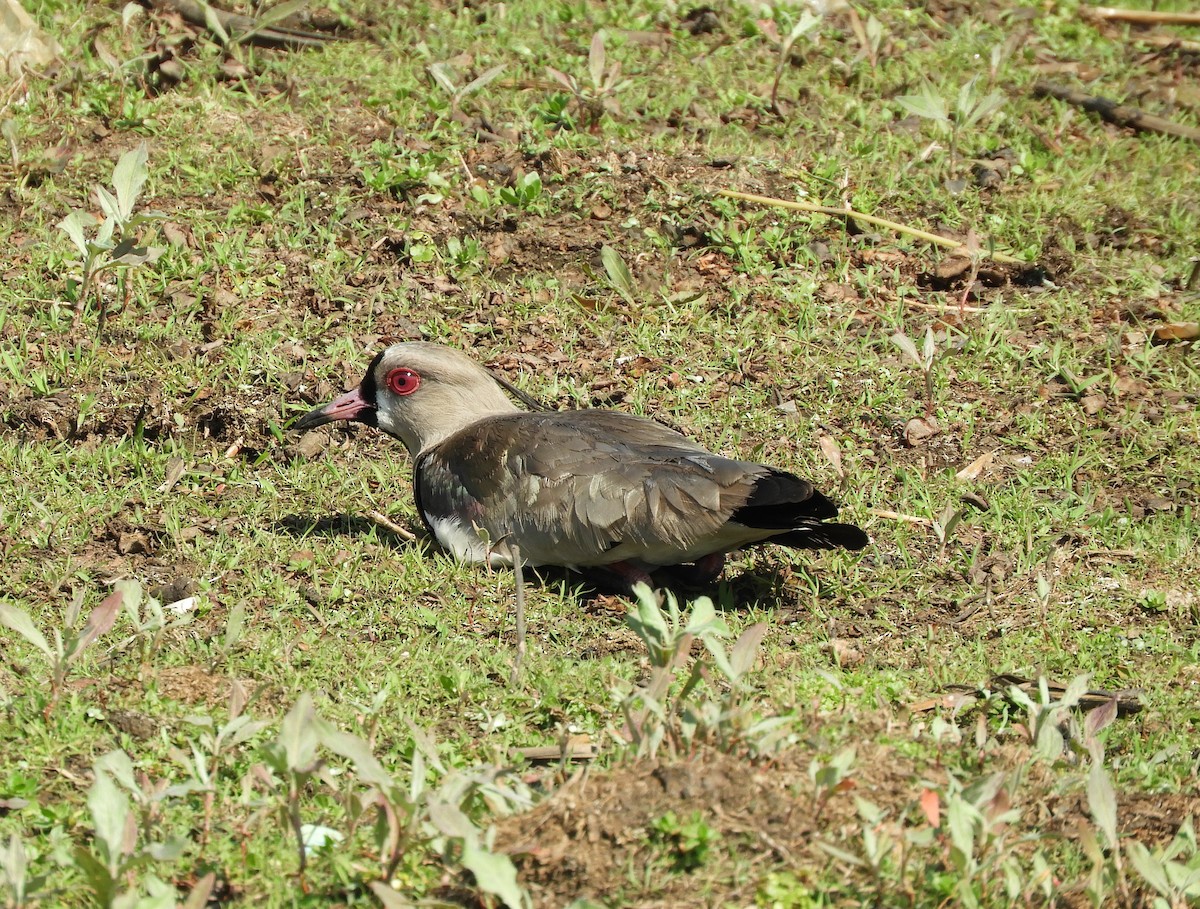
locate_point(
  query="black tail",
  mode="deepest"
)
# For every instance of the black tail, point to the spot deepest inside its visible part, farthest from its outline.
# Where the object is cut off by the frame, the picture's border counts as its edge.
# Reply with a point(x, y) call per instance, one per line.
point(783, 501)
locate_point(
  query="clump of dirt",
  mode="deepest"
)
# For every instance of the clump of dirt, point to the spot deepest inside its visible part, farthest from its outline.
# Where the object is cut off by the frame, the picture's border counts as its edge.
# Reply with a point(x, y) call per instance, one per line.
point(601, 835)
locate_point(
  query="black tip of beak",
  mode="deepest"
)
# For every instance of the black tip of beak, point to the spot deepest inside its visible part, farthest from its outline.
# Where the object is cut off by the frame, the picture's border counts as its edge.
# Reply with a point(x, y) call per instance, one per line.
point(350, 406)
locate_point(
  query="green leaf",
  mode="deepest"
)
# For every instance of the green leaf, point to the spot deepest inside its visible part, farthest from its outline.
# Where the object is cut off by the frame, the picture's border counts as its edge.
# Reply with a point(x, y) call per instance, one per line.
point(298, 735)
point(212, 21)
point(745, 652)
point(930, 349)
point(73, 225)
point(1102, 801)
point(449, 819)
point(18, 620)
point(99, 879)
point(905, 343)
point(198, 898)
point(495, 874)
point(961, 820)
point(234, 625)
point(805, 24)
point(241, 728)
point(619, 275)
point(1149, 867)
point(481, 80)
point(841, 854)
point(357, 751)
point(702, 619)
point(118, 764)
point(280, 12)
point(597, 59)
point(928, 105)
point(109, 205)
point(1076, 689)
point(110, 812)
point(12, 868)
point(441, 73)
point(388, 897)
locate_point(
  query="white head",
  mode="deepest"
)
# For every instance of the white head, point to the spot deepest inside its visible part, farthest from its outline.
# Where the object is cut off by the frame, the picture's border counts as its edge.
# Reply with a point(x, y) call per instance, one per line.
point(418, 392)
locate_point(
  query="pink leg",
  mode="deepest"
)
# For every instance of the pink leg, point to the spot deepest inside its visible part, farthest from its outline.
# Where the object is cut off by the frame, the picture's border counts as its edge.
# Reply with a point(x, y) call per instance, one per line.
point(620, 576)
point(702, 571)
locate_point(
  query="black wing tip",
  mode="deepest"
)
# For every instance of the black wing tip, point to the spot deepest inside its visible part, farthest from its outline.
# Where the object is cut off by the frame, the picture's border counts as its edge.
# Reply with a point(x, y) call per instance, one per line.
point(824, 536)
point(781, 500)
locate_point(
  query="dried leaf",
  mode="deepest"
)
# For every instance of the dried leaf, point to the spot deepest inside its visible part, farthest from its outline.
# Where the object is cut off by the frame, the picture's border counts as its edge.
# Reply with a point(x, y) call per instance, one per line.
point(833, 454)
point(973, 470)
point(104, 616)
point(176, 468)
point(920, 430)
point(1096, 720)
point(1177, 331)
point(931, 807)
point(905, 343)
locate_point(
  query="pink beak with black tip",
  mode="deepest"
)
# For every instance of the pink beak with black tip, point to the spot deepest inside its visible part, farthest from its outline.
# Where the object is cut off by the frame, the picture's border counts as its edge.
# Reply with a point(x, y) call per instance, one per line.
point(350, 406)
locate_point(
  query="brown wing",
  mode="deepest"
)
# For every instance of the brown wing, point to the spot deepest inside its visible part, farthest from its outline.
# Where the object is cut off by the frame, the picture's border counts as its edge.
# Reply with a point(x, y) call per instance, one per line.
point(586, 488)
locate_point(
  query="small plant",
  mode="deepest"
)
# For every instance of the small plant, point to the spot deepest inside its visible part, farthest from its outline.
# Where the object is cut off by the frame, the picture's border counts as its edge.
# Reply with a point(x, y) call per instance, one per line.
point(654, 713)
point(114, 854)
point(971, 107)
point(117, 243)
point(402, 174)
point(466, 255)
point(409, 814)
point(525, 191)
point(1173, 871)
point(598, 97)
point(803, 26)
point(620, 278)
point(443, 75)
point(22, 887)
point(68, 644)
point(830, 777)
point(924, 361)
point(293, 758)
point(945, 524)
point(149, 620)
point(1050, 724)
point(686, 843)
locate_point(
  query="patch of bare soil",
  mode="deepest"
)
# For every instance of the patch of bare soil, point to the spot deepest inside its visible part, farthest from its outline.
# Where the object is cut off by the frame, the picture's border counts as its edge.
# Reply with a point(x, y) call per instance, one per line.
point(600, 835)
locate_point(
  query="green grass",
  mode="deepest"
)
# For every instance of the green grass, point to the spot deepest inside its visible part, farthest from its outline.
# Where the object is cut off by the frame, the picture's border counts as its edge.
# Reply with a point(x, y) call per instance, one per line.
point(326, 201)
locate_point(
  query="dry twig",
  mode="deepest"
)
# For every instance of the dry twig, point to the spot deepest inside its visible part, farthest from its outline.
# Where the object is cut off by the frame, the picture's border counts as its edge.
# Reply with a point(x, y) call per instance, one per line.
point(388, 524)
point(869, 219)
point(1144, 16)
point(1120, 114)
point(267, 36)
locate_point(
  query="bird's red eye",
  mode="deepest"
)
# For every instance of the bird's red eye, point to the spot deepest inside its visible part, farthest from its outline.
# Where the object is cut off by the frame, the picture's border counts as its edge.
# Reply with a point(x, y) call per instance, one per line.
point(403, 381)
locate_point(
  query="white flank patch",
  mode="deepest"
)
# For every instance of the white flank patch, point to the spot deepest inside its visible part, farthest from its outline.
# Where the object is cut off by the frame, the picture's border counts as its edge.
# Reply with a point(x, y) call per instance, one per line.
point(465, 543)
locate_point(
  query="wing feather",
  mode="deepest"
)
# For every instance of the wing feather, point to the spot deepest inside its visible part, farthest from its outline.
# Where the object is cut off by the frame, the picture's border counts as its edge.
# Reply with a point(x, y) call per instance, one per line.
point(584, 487)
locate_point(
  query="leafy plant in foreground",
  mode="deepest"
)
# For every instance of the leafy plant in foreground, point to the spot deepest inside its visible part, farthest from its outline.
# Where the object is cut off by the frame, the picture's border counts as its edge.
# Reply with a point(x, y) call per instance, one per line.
point(686, 842)
point(116, 244)
point(69, 644)
point(409, 816)
point(108, 863)
point(598, 96)
point(971, 107)
point(654, 713)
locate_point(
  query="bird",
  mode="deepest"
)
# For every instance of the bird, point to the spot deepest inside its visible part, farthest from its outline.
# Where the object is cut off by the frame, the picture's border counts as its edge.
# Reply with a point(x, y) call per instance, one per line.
point(609, 494)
